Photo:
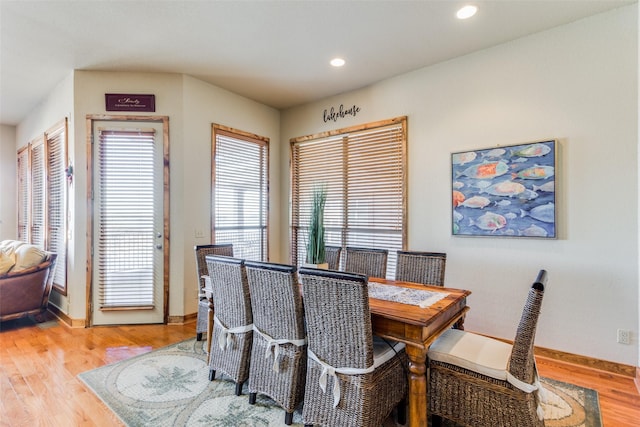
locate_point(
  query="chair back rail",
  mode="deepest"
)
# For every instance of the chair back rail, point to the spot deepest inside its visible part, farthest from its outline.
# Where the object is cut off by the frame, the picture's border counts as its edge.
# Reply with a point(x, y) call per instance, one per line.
point(367, 261)
point(522, 361)
point(427, 268)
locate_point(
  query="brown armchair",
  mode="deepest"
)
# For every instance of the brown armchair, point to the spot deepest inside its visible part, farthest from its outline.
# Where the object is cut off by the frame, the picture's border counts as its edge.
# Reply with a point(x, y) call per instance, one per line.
point(26, 292)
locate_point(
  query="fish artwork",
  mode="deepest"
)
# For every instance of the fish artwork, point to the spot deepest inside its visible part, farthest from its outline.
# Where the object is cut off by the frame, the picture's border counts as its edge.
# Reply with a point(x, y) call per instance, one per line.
point(544, 213)
point(458, 197)
point(533, 150)
point(495, 153)
point(475, 202)
point(486, 170)
point(489, 221)
point(535, 172)
point(528, 195)
point(462, 158)
point(547, 187)
point(505, 188)
point(534, 231)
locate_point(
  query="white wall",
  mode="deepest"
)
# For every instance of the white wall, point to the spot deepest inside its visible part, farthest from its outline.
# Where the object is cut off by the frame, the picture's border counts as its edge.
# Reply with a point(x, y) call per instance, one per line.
point(8, 221)
point(205, 104)
point(577, 83)
point(192, 106)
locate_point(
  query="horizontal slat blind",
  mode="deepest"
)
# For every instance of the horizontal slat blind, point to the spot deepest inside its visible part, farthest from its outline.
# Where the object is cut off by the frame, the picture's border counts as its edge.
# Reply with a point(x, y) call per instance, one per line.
point(364, 172)
point(126, 240)
point(56, 140)
point(23, 194)
point(38, 195)
point(240, 193)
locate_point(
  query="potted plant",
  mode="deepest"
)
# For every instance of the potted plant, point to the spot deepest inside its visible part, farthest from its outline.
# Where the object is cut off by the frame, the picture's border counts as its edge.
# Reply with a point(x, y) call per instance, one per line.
point(315, 244)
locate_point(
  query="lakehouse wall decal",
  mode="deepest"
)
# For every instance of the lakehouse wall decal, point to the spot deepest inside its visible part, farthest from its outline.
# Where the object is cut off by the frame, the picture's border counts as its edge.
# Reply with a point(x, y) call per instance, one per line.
point(505, 191)
point(334, 114)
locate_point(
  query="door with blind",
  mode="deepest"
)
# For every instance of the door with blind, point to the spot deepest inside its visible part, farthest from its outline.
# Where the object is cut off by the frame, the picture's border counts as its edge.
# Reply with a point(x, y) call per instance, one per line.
point(128, 223)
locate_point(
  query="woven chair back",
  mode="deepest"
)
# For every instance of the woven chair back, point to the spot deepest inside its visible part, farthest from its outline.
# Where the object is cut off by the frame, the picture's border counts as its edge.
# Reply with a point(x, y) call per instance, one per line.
point(338, 317)
point(276, 300)
point(522, 362)
point(231, 290)
point(421, 267)
point(332, 254)
point(225, 249)
point(367, 261)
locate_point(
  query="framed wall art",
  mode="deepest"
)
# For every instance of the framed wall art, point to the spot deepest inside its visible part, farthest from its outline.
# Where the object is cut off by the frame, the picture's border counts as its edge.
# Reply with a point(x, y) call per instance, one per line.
point(506, 191)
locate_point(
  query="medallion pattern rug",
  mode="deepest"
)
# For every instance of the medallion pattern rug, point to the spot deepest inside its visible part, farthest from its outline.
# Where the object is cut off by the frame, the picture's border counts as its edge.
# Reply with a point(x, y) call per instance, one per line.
point(171, 387)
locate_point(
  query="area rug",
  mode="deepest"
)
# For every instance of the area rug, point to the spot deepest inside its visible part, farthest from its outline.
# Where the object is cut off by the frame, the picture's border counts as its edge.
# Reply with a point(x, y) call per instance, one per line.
point(171, 387)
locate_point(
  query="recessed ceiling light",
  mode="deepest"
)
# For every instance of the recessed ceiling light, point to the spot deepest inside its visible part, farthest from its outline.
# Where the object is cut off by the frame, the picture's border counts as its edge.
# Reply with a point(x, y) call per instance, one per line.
point(466, 12)
point(337, 62)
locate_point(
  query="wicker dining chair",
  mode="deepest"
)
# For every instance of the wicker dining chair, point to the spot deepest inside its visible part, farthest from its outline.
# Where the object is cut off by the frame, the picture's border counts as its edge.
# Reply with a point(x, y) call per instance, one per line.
point(352, 378)
point(367, 261)
point(202, 318)
point(479, 381)
point(332, 254)
point(279, 351)
point(230, 351)
point(421, 267)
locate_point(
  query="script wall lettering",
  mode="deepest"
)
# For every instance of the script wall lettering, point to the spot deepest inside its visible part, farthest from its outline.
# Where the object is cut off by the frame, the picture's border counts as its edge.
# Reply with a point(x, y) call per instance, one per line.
point(340, 113)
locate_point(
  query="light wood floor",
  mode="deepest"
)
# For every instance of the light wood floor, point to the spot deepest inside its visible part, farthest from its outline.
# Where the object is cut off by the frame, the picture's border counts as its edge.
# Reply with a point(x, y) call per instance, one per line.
point(39, 365)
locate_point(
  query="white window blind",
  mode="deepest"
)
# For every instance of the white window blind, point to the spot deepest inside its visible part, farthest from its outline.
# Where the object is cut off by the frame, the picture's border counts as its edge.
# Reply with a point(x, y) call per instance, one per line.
point(23, 194)
point(363, 169)
point(240, 192)
point(38, 194)
point(56, 143)
point(125, 238)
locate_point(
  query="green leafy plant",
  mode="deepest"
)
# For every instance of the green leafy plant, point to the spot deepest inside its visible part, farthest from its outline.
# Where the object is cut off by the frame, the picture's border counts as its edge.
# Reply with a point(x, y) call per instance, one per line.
point(315, 245)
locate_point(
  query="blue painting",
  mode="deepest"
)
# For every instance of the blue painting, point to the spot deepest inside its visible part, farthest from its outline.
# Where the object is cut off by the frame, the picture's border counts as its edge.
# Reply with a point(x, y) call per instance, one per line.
point(507, 191)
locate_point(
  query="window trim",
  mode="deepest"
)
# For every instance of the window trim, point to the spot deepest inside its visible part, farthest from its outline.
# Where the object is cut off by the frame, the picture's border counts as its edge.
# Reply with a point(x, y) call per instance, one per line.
point(261, 141)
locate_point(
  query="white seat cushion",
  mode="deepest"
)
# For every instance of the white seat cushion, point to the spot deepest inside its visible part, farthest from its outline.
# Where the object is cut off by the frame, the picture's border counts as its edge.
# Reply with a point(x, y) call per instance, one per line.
point(474, 352)
point(383, 352)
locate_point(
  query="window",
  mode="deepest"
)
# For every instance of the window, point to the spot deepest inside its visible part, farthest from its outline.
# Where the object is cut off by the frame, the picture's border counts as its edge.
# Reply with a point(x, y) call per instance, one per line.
point(364, 171)
point(240, 192)
point(42, 196)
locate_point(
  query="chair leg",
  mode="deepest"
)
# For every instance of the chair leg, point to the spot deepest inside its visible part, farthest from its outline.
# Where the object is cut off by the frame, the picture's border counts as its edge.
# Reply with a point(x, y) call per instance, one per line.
point(199, 336)
point(436, 420)
point(402, 412)
point(212, 374)
point(252, 398)
point(288, 418)
point(239, 389)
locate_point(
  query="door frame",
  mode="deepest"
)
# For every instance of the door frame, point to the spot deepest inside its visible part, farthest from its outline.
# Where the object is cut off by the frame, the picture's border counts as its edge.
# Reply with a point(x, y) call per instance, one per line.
point(89, 195)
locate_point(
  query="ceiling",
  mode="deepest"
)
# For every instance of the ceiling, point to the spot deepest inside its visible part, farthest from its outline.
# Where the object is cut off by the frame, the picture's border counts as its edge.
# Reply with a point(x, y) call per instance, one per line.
point(275, 52)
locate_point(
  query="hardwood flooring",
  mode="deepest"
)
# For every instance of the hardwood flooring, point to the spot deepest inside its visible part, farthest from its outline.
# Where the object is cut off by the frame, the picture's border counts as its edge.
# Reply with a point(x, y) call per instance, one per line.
point(39, 365)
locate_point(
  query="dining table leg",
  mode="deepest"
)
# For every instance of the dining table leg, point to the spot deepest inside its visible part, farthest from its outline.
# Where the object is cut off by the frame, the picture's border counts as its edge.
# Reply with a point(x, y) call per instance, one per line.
point(417, 386)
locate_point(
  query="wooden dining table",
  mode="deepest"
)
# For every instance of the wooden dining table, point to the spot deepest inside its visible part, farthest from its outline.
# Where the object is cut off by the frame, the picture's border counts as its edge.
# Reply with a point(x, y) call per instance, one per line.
point(417, 327)
point(413, 325)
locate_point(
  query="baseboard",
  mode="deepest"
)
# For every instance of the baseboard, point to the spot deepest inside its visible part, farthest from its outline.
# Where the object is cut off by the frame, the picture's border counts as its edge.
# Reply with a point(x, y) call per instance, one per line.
point(591, 362)
point(181, 320)
point(65, 319)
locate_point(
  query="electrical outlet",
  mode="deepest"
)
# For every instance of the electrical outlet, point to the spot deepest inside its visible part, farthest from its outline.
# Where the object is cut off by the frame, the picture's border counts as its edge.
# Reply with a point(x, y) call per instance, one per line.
point(624, 336)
